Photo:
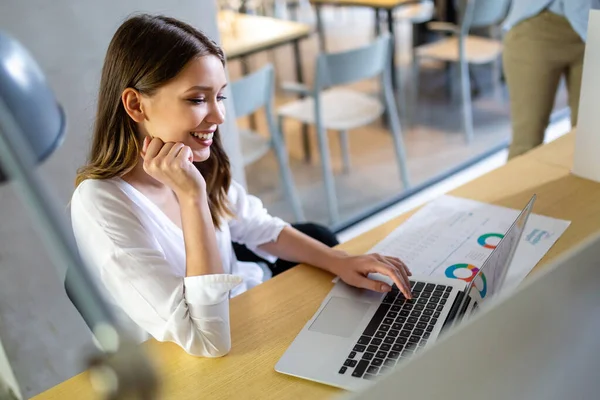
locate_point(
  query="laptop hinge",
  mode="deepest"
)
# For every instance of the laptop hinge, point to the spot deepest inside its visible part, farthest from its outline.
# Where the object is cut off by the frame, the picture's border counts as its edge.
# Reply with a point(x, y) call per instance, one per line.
point(454, 311)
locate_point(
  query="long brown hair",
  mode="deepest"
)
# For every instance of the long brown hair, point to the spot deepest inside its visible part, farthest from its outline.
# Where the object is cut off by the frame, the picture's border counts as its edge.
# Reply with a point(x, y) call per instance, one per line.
point(146, 52)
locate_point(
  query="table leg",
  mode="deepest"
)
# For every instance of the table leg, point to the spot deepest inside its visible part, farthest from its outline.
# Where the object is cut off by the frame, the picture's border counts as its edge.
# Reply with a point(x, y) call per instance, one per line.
point(377, 22)
point(246, 71)
point(416, 35)
point(320, 30)
point(390, 21)
point(300, 79)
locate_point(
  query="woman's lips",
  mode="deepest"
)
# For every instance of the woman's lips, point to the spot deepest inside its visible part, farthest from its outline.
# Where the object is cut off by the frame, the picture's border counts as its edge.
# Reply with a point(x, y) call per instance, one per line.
point(205, 141)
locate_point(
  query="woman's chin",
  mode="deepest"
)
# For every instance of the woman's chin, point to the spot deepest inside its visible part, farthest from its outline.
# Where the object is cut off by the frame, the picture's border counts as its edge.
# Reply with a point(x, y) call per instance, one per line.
point(201, 156)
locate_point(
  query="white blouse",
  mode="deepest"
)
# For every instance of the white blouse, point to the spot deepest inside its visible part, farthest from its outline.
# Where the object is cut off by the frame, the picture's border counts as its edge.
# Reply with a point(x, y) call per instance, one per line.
point(138, 254)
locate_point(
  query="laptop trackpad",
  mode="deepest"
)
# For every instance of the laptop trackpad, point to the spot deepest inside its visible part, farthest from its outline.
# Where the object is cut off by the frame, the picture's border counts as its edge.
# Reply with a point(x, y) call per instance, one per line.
point(340, 317)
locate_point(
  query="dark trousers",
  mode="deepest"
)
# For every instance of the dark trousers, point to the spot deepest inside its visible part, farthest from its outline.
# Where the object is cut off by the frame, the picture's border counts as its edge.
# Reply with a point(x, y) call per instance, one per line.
point(315, 231)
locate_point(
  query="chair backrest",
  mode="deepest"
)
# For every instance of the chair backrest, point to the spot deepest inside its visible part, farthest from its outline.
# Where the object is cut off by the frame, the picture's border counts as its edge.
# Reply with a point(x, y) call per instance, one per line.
point(481, 13)
point(253, 91)
point(353, 65)
point(28, 102)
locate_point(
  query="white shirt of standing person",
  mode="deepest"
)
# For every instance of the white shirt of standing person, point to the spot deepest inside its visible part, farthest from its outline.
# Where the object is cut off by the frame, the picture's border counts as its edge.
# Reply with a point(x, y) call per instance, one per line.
point(137, 255)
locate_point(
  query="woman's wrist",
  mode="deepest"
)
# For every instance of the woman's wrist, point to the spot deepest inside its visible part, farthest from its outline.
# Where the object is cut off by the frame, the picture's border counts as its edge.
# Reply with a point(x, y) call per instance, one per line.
point(195, 203)
point(334, 261)
point(192, 198)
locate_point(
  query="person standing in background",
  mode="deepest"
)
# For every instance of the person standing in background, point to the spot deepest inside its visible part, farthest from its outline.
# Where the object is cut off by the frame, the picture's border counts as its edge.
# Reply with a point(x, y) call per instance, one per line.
point(545, 41)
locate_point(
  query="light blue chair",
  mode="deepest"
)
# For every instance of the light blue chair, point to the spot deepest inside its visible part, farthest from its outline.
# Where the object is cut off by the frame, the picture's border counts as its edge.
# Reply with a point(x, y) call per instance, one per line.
point(250, 93)
point(463, 49)
point(342, 109)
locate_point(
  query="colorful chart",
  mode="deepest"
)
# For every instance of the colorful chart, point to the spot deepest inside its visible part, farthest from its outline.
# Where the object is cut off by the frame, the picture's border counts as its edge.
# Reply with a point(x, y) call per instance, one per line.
point(474, 270)
point(482, 240)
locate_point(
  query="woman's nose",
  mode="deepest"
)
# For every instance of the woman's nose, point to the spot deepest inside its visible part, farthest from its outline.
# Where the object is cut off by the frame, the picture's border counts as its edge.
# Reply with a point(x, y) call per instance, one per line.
point(216, 114)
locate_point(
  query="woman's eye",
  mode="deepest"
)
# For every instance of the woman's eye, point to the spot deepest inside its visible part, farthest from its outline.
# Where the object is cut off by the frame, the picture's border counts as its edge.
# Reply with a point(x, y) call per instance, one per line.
point(201, 101)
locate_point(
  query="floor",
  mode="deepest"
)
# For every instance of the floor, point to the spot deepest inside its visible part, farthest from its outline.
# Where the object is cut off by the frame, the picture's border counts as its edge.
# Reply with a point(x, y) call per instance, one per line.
point(434, 145)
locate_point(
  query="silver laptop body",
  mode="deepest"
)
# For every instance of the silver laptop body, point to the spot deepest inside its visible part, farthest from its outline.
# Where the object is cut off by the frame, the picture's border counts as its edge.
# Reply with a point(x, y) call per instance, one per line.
point(357, 335)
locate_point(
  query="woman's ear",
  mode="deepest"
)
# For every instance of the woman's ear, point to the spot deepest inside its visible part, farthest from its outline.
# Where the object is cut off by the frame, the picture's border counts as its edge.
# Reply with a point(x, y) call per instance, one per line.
point(132, 102)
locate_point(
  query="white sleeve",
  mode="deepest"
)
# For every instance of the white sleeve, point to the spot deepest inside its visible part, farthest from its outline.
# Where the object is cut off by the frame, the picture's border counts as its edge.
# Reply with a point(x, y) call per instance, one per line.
point(252, 225)
point(190, 311)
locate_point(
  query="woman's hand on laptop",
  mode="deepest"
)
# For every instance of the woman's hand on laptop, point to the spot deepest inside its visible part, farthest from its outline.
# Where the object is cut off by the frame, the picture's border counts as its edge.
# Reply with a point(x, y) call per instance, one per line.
point(354, 270)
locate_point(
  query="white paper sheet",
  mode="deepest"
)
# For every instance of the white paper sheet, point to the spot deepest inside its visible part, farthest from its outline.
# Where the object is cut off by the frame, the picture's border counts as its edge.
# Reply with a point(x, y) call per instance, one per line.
point(452, 231)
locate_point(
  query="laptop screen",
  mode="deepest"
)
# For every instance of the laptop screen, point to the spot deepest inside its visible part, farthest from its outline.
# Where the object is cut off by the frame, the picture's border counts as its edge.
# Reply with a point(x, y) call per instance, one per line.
point(491, 275)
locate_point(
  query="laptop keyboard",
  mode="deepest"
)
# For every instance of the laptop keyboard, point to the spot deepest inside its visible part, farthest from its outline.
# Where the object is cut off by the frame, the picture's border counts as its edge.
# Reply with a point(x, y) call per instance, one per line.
point(398, 329)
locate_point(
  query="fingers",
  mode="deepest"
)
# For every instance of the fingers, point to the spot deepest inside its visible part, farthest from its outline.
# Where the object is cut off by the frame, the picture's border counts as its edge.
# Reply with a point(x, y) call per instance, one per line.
point(399, 261)
point(401, 271)
point(174, 152)
point(366, 283)
point(164, 151)
point(153, 148)
point(394, 270)
point(400, 266)
point(186, 154)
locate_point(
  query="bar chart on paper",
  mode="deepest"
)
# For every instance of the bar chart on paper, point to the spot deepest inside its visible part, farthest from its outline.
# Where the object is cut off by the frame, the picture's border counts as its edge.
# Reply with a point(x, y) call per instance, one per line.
point(452, 237)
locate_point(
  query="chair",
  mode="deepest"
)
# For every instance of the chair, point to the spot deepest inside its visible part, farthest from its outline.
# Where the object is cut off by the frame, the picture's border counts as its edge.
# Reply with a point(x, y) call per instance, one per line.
point(249, 94)
point(464, 49)
point(342, 109)
point(415, 14)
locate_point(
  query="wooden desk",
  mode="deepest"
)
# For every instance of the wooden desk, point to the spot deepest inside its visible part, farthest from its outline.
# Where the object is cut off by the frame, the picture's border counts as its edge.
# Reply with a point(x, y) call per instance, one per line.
point(243, 35)
point(266, 319)
point(377, 5)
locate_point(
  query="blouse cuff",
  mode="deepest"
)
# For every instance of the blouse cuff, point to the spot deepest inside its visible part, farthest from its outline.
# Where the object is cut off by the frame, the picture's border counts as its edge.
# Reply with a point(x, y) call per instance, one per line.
point(207, 290)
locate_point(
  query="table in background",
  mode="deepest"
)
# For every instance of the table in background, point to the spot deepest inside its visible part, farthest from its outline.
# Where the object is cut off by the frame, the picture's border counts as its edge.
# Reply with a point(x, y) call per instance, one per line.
point(377, 5)
point(266, 319)
point(243, 35)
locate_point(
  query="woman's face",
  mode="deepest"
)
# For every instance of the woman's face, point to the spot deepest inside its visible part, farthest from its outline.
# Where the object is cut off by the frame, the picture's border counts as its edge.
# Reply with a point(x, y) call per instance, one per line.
point(188, 108)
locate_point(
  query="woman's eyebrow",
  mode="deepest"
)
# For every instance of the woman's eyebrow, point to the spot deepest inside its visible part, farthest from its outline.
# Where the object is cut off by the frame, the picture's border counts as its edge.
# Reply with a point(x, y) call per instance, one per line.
point(204, 88)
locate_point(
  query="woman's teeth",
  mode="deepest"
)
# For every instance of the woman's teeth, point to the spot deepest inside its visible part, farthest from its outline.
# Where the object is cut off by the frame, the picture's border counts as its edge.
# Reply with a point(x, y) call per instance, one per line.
point(203, 136)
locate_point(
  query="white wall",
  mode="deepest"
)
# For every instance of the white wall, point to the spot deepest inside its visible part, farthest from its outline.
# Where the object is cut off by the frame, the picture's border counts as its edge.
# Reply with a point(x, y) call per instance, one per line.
point(42, 333)
point(587, 141)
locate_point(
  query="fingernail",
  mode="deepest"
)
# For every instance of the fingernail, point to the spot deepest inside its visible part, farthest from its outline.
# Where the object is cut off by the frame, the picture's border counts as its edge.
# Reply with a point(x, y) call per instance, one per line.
point(385, 288)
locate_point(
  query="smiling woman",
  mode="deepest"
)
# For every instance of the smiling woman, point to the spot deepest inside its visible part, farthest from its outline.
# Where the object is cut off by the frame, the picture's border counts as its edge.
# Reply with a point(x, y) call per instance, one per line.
point(136, 66)
point(155, 210)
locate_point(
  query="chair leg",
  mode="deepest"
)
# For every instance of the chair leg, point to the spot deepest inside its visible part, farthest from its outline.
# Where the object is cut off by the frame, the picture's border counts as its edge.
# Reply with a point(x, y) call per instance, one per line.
point(475, 88)
point(394, 122)
point(467, 112)
point(327, 173)
point(497, 78)
point(272, 55)
point(285, 172)
point(345, 147)
point(411, 113)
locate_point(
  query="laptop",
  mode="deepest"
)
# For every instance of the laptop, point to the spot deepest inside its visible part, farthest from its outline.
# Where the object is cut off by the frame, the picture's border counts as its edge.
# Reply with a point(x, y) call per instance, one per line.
point(358, 335)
